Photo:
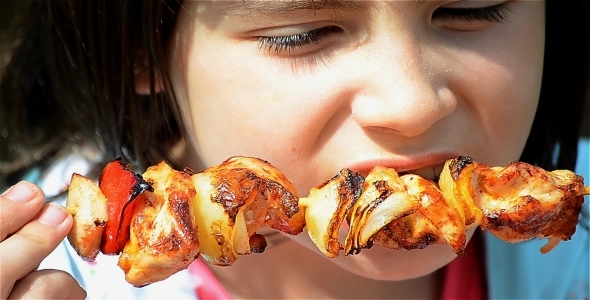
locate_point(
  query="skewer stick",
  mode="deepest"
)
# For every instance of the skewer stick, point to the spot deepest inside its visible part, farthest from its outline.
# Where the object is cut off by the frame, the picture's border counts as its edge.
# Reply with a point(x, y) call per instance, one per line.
point(305, 201)
point(72, 210)
point(585, 191)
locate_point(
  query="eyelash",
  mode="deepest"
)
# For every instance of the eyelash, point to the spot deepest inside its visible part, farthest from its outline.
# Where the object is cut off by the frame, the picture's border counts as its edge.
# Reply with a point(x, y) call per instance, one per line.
point(493, 14)
point(278, 44)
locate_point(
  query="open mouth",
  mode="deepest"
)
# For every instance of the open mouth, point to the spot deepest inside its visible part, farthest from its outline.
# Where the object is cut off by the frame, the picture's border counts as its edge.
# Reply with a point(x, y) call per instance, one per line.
point(431, 173)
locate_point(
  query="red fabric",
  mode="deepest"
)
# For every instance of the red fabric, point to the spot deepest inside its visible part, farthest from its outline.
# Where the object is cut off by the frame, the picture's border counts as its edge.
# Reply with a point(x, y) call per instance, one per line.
point(209, 287)
point(465, 277)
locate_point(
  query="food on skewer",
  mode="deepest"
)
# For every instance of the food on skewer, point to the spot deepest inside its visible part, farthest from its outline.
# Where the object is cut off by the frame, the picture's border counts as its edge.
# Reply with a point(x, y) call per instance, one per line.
point(237, 198)
point(163, 233)
point(434, 222)
point(216, 213)
point(519, 202)
point(332, 201)
point(393, 219)
point(515, 203)
point(87, 202)
point(121, 187)
point(171, 223)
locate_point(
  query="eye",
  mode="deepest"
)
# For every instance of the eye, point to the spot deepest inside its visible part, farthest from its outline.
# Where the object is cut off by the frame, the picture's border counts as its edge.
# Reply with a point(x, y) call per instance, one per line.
point(291, 43)
point(452, 16)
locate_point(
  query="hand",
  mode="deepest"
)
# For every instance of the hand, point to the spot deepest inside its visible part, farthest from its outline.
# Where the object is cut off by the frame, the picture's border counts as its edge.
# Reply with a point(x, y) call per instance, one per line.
point(29, 231)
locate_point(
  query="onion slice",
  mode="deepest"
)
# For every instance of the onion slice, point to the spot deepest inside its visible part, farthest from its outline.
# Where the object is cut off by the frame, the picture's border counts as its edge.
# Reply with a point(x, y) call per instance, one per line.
point(327, 207)
point(384, 199)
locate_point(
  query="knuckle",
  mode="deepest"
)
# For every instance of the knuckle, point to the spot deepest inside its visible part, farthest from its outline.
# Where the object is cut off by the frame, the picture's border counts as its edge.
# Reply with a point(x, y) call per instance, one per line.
point(42, 284)
point(35, 237)
point(13, 216)
point(39, 236)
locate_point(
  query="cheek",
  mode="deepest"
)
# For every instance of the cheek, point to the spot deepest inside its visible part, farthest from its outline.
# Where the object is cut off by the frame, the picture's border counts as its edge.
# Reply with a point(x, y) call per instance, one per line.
point(501, 93)
point(506, 102)
point(231, 102)
point(512, 116)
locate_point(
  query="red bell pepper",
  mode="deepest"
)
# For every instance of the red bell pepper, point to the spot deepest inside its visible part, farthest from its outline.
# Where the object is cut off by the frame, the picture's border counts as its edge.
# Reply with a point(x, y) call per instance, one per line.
point(120, 187)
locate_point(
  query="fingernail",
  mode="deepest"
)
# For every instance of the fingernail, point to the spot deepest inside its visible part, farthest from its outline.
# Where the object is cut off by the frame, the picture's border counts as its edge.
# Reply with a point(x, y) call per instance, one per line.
point(52, 214)
point(20, 192)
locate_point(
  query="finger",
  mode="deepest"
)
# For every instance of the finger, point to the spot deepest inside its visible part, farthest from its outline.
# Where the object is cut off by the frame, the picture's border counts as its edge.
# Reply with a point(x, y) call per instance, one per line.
point(18, 205)
point(47, 284)
point(23, 251)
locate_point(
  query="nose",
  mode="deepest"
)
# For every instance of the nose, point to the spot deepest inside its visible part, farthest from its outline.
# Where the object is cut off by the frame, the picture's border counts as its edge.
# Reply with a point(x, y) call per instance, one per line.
point(403, 90)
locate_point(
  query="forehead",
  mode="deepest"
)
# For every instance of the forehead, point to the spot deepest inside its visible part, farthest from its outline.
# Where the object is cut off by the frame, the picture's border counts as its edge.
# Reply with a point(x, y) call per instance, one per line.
point(272, 7)
point(213, 13)
point(215, 9)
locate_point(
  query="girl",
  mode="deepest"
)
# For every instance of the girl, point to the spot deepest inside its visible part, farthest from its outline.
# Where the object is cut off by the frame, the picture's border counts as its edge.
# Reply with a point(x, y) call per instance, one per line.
point(312, 87)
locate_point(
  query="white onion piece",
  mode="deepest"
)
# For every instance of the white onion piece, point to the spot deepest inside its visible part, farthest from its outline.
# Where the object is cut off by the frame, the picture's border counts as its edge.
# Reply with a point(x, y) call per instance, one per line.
point(326, 209)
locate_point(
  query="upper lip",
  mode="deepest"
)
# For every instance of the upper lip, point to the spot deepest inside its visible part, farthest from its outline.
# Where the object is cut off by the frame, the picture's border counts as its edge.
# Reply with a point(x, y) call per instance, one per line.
point(428, 166)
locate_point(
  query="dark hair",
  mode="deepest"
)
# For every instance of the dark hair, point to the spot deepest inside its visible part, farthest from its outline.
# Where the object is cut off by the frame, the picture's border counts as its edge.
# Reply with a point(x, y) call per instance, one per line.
point(68, 78)
point(565, 90)
point(68, 72)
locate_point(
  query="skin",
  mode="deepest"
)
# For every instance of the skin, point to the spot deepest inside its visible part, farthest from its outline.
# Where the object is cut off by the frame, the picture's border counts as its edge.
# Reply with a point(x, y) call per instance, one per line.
point(27, 237)
point(391, 87)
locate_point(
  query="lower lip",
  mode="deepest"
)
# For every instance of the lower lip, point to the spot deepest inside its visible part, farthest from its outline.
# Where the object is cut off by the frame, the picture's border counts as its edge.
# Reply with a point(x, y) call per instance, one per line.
point(404, 164)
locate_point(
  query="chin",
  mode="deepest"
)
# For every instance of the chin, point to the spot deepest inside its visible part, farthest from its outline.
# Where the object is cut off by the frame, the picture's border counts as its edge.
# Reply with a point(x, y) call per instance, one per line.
point(380, 263)
point(396, 265)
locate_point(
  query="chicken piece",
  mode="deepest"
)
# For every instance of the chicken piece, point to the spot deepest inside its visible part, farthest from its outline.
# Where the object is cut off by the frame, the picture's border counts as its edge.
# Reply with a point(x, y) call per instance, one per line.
point(437, 210)
point(414, 231)
point(520, 202)
point(433, 223)
point(235, 199)
point(88, 206)
point(327, 207)
point(163, 233)
point(281, 200)
point(384, 199)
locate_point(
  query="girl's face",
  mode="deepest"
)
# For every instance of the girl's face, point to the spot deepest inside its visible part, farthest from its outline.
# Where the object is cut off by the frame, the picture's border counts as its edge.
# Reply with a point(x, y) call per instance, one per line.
point(317, 86)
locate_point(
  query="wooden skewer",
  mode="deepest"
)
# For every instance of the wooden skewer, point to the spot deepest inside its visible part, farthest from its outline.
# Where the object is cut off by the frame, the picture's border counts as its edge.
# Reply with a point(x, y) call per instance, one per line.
point(304, 202)
point(72, 210)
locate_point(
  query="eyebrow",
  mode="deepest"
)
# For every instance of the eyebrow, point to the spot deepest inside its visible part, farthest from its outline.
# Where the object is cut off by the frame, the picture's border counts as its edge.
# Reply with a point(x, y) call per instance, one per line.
point(270, 7)
point(246, 7)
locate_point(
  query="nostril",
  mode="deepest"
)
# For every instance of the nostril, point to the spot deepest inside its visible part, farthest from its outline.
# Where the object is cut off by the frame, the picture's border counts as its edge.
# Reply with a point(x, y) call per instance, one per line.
point(448, 101)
